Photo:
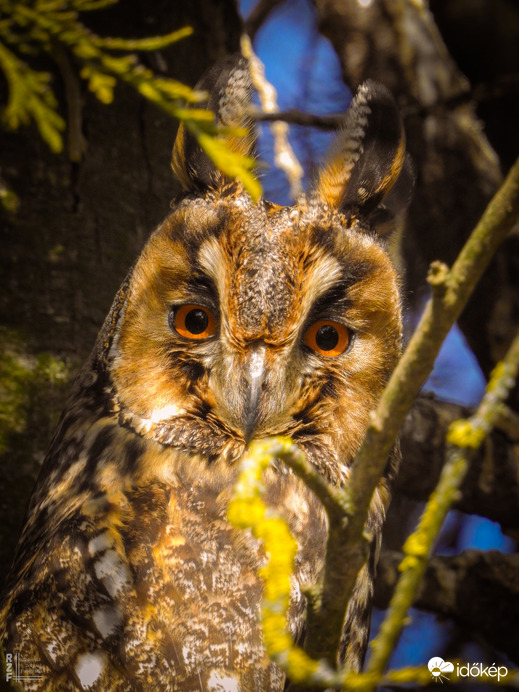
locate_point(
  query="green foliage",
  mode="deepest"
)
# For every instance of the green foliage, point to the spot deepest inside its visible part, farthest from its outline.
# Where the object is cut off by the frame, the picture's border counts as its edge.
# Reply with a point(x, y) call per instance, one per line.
point(29, 28)
point(30, 97)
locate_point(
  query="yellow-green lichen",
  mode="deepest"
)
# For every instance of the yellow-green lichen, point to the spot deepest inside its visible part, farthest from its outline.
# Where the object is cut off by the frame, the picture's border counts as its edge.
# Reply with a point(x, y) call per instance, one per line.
point(31, 385)
point(464, 434)
point(247, 510)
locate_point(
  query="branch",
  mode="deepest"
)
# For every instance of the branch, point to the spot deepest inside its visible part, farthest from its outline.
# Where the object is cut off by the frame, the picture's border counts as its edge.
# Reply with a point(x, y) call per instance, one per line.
point(491, 487)
point(247, 511)
point(478, 93)
point(470, 588)
point(293, 116)
point(464, 437)
point(451, 290)
point(259, 14)
point(284, 156)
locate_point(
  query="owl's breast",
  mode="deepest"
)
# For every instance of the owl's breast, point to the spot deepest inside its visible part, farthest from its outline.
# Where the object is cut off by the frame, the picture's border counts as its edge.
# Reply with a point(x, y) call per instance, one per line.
point(139, 577)
point(195, 579)
point(199, 576)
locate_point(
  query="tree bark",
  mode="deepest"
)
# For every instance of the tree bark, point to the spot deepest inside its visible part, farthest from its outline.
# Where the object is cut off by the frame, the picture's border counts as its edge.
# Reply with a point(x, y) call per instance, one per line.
point(80, 226)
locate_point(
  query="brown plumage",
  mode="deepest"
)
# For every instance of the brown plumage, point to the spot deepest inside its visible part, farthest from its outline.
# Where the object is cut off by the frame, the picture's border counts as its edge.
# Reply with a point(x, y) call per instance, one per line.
point(238, 321)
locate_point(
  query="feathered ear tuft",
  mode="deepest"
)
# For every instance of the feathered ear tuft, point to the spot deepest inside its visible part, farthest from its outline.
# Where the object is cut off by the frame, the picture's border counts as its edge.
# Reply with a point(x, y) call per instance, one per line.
point(229, 87)
point(367, 158)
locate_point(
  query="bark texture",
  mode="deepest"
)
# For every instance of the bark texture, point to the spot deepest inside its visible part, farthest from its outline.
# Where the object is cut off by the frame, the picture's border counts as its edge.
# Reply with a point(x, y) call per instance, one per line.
point(80, 226)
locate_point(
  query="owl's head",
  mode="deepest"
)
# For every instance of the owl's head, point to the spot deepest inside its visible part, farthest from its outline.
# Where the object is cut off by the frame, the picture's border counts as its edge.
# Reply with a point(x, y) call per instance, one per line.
point(244, 320)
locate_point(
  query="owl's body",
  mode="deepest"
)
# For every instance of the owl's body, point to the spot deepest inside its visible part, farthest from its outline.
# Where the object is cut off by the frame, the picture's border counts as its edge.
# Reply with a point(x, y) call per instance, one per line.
point(238, 321)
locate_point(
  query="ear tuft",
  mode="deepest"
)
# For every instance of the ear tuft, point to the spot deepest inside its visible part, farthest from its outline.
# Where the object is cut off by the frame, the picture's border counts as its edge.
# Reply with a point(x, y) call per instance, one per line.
point(367, 157)
point(229, 95)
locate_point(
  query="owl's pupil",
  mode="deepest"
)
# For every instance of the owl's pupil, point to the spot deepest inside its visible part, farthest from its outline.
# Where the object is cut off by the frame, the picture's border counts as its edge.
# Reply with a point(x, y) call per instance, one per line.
point(327, 337)
point(196, 321)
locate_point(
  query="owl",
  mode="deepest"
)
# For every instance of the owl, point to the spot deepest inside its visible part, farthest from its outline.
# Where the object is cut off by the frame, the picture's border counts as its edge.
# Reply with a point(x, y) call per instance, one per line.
point(239, 320)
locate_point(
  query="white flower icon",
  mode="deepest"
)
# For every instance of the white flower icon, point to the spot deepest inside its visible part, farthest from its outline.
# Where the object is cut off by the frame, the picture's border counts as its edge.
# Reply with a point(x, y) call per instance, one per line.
point(439, 667)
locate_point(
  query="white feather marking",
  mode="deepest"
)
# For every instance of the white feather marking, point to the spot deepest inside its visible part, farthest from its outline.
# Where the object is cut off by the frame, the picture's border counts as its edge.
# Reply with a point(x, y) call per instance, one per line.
point(222, 683)
point(106, 620)
point(100, 543)
point(166, 412)
point(212, 261)
point(113, 572)
point(89, 667)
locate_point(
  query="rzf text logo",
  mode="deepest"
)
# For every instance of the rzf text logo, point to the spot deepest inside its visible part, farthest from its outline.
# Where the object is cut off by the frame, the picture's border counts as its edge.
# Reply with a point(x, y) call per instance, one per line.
point(8, 666)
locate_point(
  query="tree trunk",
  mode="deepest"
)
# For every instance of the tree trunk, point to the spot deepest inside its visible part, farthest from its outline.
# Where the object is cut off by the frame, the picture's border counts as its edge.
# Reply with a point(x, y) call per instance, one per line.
point(80, 226)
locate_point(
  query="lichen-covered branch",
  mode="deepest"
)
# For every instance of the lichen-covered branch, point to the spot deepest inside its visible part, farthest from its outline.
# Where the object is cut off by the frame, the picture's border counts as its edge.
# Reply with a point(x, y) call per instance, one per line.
point(464, 437)
point(451, 289)
point(248, 511)
point(469, 588)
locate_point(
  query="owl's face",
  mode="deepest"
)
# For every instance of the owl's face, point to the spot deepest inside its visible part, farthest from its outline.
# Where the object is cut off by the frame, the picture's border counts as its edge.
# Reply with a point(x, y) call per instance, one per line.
point(260, 320)
point(244, 320)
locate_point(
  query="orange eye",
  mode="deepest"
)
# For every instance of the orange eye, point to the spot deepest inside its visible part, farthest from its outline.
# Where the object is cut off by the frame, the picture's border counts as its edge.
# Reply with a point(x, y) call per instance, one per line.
point(327, 338)
point(193, 321)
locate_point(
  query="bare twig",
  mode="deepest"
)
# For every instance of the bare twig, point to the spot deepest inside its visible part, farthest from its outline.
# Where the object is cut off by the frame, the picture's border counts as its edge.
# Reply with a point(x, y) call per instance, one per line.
point(479, 93)
point(297, 117)
point(284, 156)
point(259, 14)
point(509, 424)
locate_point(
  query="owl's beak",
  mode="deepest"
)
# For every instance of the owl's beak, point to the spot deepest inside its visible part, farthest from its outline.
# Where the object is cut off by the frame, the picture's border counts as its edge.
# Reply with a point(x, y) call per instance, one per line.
point(254, 375)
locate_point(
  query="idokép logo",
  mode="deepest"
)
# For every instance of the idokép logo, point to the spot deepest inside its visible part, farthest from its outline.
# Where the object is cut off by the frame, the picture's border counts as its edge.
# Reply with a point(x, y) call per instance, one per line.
point(440, 670)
